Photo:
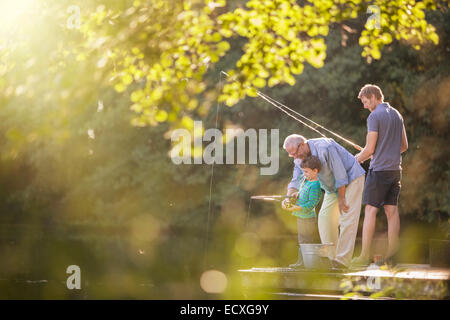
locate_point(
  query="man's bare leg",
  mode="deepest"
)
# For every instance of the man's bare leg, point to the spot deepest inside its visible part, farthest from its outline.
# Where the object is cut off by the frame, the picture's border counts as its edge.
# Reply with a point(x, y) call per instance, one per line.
point(393, 220)
point(370, 216)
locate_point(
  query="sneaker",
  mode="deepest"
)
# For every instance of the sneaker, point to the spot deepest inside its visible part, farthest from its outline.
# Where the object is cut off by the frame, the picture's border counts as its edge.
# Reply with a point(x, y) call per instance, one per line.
point(296, 266)
point(390, 262)
point(360, 262)
point(337, 265)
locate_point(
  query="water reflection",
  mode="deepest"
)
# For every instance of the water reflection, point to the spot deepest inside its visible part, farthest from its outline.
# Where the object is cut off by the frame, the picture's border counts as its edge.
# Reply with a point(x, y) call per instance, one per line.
point(113, 264)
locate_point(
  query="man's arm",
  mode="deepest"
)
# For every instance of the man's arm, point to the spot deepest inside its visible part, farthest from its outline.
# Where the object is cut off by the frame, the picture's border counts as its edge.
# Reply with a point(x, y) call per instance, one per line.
point(340, 177)
point(404, 140)
point(341, 198)
point(369, 149)
point(305, 206)
point(297, 176)
point(292, 188)
point(291, 192)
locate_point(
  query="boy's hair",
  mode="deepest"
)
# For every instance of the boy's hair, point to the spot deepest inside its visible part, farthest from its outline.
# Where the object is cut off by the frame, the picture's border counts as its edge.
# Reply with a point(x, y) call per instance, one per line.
point(371, 89)
point(311, 162)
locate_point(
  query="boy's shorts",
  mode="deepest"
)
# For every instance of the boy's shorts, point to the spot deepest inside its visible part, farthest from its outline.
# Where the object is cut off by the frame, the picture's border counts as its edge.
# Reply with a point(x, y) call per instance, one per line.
point(308, 231)
point(382, 188)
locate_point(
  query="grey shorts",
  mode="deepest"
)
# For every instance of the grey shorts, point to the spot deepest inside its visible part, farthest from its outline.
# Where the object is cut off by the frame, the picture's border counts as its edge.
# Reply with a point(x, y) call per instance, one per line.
point(382, 188)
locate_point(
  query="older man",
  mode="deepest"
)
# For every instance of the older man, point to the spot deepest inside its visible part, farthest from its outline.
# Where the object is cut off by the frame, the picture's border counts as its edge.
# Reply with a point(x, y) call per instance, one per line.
point(386, 141)
point(342, 178)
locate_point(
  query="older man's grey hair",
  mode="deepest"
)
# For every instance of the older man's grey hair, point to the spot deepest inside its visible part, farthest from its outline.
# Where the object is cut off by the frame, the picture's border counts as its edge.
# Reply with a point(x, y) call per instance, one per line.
point(293, 140)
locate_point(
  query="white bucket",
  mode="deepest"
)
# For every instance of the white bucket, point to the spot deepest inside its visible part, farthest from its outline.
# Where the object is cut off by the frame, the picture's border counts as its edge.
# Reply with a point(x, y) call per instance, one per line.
point(315, 255)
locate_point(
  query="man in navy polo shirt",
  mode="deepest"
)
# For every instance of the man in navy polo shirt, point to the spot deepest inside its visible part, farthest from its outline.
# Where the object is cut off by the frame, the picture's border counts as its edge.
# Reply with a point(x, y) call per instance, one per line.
point(386, 141)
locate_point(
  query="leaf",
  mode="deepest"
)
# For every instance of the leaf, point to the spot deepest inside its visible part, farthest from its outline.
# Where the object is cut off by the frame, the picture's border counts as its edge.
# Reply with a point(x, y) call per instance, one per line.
point(434, 37)
point(120, 87)
point(223, 46)
point(161, 116)
point(259, 83)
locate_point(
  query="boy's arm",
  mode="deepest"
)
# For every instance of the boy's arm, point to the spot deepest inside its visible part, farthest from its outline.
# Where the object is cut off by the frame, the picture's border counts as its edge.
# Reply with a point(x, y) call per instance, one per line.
point(313, 199)
point(340, 177)
point(314, 195)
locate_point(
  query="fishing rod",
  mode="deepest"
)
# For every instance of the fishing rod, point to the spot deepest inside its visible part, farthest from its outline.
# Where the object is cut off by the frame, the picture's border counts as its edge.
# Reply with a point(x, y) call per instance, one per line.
point(359, 148)
point(282, 108)
point(273, 198)
point(290, 204)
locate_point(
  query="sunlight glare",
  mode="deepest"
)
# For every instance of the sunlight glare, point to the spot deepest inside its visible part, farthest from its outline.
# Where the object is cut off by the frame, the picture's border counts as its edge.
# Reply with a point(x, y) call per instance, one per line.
point(12, 10)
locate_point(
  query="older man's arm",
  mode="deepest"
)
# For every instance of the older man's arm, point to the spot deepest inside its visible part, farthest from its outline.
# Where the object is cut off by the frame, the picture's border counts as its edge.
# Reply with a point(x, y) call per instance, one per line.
point(340, 177)
point(292, 191)
point(343, 207)
point(292, 188)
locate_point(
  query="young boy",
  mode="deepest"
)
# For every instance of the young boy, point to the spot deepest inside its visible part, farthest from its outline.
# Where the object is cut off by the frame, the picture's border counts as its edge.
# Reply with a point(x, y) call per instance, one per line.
point(308, 197)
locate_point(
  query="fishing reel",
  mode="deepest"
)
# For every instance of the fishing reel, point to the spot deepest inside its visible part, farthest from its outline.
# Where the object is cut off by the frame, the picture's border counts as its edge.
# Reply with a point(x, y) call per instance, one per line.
point(291, 201)
point(289, 204)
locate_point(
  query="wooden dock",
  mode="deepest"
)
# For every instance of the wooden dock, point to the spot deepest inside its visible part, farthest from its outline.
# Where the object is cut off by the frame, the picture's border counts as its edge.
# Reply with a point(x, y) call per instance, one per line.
point(407, 281)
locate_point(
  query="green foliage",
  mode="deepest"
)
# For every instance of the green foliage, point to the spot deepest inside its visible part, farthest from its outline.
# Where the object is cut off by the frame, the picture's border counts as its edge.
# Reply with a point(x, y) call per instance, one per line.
point(158, 52)
point(163, 53)
point(395, 286)
point(166, 66)
point(70, 156)
point(65, 80)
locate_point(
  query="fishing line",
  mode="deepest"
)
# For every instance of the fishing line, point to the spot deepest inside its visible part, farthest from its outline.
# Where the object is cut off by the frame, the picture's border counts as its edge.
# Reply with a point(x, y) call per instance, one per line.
point(316, 124)
point(211, 184)
point(248, 213)
point(282, 107)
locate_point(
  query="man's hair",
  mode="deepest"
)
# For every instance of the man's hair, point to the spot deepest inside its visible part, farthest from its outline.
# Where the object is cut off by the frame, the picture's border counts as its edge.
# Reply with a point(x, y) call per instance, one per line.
point(311, 162)
point(371, 89)
point(293, 139)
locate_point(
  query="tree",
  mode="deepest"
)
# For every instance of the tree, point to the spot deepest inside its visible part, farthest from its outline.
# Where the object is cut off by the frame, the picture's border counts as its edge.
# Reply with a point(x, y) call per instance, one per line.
point(173, 44)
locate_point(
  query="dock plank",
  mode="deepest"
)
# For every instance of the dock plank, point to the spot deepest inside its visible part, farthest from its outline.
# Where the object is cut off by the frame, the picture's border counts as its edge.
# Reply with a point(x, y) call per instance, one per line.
point(327, 283)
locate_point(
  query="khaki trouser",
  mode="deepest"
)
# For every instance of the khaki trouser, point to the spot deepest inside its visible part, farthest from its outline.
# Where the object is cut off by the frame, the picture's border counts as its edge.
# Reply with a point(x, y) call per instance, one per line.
point(341, 229)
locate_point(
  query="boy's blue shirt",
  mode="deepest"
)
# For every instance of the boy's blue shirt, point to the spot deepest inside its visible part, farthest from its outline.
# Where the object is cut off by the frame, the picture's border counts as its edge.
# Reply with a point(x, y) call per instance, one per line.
point(308, 198)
